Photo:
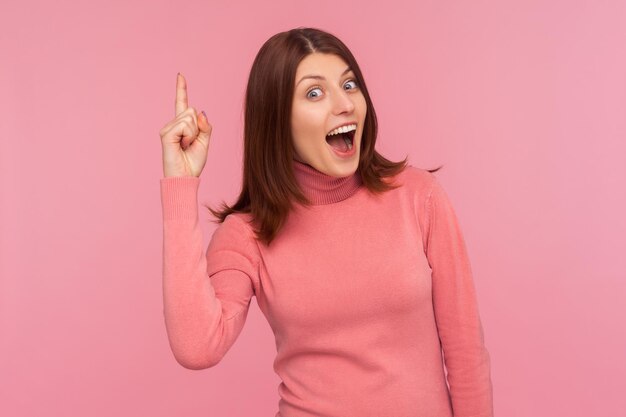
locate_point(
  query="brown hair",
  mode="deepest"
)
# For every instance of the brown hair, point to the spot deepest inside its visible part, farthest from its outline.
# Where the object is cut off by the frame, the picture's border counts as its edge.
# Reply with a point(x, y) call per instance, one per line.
point(269, 185)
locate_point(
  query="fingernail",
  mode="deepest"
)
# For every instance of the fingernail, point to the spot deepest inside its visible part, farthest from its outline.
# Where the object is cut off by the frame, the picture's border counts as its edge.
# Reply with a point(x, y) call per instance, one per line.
point(205, 118)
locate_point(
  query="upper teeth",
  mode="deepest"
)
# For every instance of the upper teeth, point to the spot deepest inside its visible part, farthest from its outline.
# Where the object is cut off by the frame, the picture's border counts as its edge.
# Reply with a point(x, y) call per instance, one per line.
point(342, 129)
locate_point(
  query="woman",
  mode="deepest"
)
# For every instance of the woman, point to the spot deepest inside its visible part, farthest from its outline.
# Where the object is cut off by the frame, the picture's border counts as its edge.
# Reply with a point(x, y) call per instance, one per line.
point(358, 263)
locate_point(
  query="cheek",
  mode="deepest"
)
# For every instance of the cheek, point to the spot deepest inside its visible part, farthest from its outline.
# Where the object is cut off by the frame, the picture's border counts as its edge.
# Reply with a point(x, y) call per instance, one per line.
point(363, 104)
point(301, 123)
point(305, 142)
point(310, 129)
point(302, 140)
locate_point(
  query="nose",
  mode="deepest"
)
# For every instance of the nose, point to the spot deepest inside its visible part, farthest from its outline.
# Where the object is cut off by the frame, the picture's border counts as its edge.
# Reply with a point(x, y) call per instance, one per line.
point(342, 102)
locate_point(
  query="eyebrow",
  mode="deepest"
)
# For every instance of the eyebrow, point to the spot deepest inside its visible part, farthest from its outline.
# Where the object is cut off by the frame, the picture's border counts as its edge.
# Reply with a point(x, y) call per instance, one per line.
point(319, 77)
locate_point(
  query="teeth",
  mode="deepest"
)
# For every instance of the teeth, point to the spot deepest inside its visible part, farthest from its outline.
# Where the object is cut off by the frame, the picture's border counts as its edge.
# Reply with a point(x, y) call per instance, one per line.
point(348, 142)
point(342, 129)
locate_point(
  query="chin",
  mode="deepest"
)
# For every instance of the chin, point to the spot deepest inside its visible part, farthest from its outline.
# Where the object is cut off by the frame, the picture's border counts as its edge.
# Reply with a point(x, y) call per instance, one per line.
point(346, 169)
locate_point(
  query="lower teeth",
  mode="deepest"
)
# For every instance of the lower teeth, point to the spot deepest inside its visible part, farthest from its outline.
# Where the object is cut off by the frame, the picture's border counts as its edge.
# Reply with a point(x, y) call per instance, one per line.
point(348, 143)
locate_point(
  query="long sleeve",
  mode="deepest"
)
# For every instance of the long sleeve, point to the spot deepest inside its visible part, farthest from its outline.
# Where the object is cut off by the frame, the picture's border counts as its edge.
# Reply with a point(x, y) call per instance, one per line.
point(205, 296)
point(456, 311)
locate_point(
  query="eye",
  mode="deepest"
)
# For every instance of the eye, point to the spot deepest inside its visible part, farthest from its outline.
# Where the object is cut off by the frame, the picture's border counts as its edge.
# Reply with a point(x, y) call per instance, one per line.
point(355, 84)
point(310, 91)
point(319, 88)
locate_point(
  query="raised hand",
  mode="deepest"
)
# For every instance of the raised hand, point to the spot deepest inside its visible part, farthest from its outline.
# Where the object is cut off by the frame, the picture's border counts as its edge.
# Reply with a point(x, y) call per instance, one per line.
point(185, 139)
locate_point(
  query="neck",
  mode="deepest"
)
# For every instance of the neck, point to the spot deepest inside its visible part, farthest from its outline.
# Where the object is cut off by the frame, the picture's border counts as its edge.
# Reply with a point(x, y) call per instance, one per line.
point(320, 188)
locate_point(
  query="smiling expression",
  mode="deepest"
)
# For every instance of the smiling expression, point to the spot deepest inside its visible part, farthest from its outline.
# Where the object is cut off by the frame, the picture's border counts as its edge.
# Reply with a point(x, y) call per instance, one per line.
point(326, 95)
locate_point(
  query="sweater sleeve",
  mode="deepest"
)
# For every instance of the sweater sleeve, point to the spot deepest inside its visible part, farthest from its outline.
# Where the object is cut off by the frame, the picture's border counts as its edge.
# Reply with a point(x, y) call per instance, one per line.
point(205, 296)
point(456, 311)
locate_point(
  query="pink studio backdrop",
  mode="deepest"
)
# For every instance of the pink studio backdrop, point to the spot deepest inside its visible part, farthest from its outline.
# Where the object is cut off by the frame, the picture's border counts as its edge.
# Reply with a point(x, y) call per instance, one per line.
point(524, 102)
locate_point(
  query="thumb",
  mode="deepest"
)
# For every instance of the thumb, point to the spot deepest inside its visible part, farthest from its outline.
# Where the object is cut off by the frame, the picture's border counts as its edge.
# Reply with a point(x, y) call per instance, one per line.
point(204, 129)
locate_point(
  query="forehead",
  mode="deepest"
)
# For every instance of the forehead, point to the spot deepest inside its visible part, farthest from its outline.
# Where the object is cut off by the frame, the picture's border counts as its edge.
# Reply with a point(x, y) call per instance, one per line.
point(321, 64)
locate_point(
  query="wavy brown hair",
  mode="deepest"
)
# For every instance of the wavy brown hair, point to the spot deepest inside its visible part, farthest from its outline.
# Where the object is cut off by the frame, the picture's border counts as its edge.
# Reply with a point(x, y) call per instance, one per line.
point(269, 186)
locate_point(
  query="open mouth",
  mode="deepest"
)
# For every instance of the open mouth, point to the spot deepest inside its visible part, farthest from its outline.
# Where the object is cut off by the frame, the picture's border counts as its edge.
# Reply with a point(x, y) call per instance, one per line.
point(343, 142)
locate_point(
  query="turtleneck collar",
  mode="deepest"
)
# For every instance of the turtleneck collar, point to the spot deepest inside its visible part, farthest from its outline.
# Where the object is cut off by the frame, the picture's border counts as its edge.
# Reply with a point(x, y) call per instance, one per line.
point(324, 189)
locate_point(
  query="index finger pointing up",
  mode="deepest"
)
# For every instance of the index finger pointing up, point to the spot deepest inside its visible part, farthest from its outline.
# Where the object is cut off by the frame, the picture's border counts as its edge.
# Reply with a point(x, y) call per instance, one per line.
point(181, 94)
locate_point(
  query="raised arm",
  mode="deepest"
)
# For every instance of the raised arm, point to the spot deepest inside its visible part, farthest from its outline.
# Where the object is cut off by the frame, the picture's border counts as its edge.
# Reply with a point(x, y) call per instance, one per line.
point(205, 295)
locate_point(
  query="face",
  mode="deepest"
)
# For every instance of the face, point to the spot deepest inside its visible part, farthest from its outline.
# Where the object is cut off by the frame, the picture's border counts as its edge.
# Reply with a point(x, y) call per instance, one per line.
point(321, 104)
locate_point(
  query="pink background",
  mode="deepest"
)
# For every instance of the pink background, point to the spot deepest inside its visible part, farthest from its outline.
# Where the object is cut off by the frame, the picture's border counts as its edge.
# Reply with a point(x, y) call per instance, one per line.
point(524, 102)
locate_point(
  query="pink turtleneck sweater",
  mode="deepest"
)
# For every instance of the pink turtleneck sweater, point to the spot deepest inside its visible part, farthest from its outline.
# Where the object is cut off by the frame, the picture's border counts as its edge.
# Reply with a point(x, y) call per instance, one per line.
point(366, 296)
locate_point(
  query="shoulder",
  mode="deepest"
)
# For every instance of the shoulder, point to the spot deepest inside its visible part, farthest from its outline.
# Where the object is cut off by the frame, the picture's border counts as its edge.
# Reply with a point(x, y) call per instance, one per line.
point(421, 187)
point(231, 248)
point(235, 234)
point(418, 181)
point(244, 223)
point(238, 222)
